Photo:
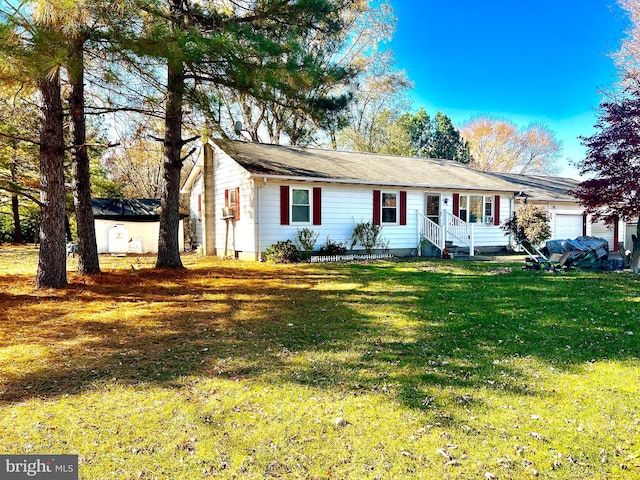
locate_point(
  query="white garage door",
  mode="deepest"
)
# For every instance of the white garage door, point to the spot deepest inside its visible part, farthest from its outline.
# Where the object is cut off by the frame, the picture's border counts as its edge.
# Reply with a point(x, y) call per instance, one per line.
point(567, 227)
point(600, 230)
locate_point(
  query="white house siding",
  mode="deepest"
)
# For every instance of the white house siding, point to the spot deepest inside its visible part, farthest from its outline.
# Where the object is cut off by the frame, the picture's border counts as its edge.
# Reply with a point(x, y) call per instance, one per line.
point(630, 230)
point(241, 239)
point(600, 230)
point(345, 205)
point(195, 211)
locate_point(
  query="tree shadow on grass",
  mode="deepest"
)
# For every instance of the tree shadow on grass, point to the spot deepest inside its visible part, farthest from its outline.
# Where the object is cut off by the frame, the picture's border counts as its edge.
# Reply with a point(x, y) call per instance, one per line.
point(152, 327)
point(392, 329)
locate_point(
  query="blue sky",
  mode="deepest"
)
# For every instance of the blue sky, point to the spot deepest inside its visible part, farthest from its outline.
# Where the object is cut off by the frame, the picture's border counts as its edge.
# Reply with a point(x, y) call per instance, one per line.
point(521, 60)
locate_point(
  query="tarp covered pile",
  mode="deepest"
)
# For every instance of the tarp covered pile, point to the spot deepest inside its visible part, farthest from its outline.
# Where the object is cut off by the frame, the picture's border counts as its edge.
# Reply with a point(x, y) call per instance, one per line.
point(589, 253)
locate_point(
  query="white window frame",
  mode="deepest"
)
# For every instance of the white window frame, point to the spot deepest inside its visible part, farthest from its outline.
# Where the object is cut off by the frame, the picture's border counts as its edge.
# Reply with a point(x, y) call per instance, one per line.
point(484, 218)
point(309, 191)
point(232, 204)
point(382, 207)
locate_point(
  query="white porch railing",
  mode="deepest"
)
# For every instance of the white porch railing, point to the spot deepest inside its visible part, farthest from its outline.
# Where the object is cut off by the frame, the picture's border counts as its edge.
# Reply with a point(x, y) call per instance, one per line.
point(459, 230)
point(451, 228)
point(430, 231)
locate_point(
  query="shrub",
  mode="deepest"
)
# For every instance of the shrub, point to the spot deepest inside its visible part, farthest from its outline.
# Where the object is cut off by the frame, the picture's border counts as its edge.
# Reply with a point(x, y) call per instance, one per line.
point(530, 223)
point(367, 234)
point(306, 240)
point(283, 252)
point(333, 248)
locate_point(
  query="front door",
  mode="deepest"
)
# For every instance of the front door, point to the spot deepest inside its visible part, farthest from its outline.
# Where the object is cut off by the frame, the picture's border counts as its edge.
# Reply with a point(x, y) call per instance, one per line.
point(432, 203)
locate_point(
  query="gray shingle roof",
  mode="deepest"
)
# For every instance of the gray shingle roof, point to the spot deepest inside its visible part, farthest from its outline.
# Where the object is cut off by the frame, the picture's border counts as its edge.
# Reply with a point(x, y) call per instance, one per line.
point(355, 167)
point(541, 187)
point(129, 209)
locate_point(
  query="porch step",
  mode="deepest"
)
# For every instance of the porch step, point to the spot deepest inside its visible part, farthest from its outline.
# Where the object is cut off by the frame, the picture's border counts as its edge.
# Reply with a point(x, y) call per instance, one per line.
point(457, 250)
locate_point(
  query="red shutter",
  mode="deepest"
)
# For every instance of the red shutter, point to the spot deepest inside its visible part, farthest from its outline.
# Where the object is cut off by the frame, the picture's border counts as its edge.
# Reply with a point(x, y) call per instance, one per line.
point(226, 198)
point(403, 207)
point(496, 210)
point(237, 217)
point(376, 207)
point(317, 206)
point(456, 204)
point(284, 205)
point(616, 233)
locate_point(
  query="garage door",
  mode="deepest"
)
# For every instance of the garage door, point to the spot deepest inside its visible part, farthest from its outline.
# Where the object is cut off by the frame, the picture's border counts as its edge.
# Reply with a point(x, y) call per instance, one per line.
point(600, 230)
point(567, 227)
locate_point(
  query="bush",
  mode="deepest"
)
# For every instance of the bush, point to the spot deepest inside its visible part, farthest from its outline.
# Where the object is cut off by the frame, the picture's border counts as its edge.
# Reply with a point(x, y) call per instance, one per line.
point(366, 234)
point(305, 241)
point(529, 223)
point(333, 248)
point(283, 252)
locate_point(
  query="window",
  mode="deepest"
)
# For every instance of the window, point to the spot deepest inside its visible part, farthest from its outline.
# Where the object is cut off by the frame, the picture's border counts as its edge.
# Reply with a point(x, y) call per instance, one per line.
point(232, 203)
point(389, 207)
point(300, 205)
point(476, 208)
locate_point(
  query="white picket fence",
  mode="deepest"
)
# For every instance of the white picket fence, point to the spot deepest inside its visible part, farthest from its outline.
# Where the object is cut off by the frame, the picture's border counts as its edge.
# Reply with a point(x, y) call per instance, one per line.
point(349, 258)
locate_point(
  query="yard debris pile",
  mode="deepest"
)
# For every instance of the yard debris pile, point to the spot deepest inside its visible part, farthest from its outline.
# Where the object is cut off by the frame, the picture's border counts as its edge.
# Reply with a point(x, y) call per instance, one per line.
point(587, 253)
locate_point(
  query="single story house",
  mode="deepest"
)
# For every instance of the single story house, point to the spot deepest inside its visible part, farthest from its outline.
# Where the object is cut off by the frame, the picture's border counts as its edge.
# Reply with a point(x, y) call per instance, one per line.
point(128, 225)
point(245, 197)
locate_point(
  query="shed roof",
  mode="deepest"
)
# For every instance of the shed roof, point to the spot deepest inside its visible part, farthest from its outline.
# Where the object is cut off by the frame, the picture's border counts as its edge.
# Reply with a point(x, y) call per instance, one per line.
point(126, 209)
point(356, 167)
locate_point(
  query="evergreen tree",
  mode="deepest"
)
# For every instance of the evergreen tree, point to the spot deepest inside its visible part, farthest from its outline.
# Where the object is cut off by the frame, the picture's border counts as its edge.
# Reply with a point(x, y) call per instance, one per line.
point(253, 47)
point(18, 154)
point(435, 137)
point(33, 49)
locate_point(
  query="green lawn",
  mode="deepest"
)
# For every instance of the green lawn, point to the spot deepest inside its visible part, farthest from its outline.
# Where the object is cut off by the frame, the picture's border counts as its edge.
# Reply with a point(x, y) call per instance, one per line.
point(389, 370)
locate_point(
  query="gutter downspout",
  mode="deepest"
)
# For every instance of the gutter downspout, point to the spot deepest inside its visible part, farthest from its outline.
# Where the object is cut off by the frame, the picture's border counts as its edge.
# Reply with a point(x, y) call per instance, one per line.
point(259, 219)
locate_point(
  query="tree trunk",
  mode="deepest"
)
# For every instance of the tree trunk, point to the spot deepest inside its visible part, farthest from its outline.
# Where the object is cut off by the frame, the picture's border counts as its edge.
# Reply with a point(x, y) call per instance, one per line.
point(17, 228)
point(52, 261)
point(168, 246)
point(88, 263)
point(15, 207)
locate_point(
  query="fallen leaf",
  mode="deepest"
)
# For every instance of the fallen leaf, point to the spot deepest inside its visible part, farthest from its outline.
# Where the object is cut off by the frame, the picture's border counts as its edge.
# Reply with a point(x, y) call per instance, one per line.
point(444, 453)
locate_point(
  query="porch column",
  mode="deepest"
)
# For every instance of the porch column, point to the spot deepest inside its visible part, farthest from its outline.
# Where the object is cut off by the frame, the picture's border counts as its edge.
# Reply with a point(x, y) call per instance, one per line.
point(444, 223)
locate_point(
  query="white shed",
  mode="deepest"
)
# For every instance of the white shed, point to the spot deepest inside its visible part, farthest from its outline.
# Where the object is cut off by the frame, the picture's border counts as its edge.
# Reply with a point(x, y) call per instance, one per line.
point(139, 217)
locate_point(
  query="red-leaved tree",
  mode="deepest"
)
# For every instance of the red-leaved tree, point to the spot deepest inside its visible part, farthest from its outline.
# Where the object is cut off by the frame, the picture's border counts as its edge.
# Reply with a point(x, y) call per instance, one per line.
point(613, 163)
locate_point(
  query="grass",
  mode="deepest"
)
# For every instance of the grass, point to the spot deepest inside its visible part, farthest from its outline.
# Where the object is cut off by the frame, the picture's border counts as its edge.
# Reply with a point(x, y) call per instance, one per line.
point(389, 370)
